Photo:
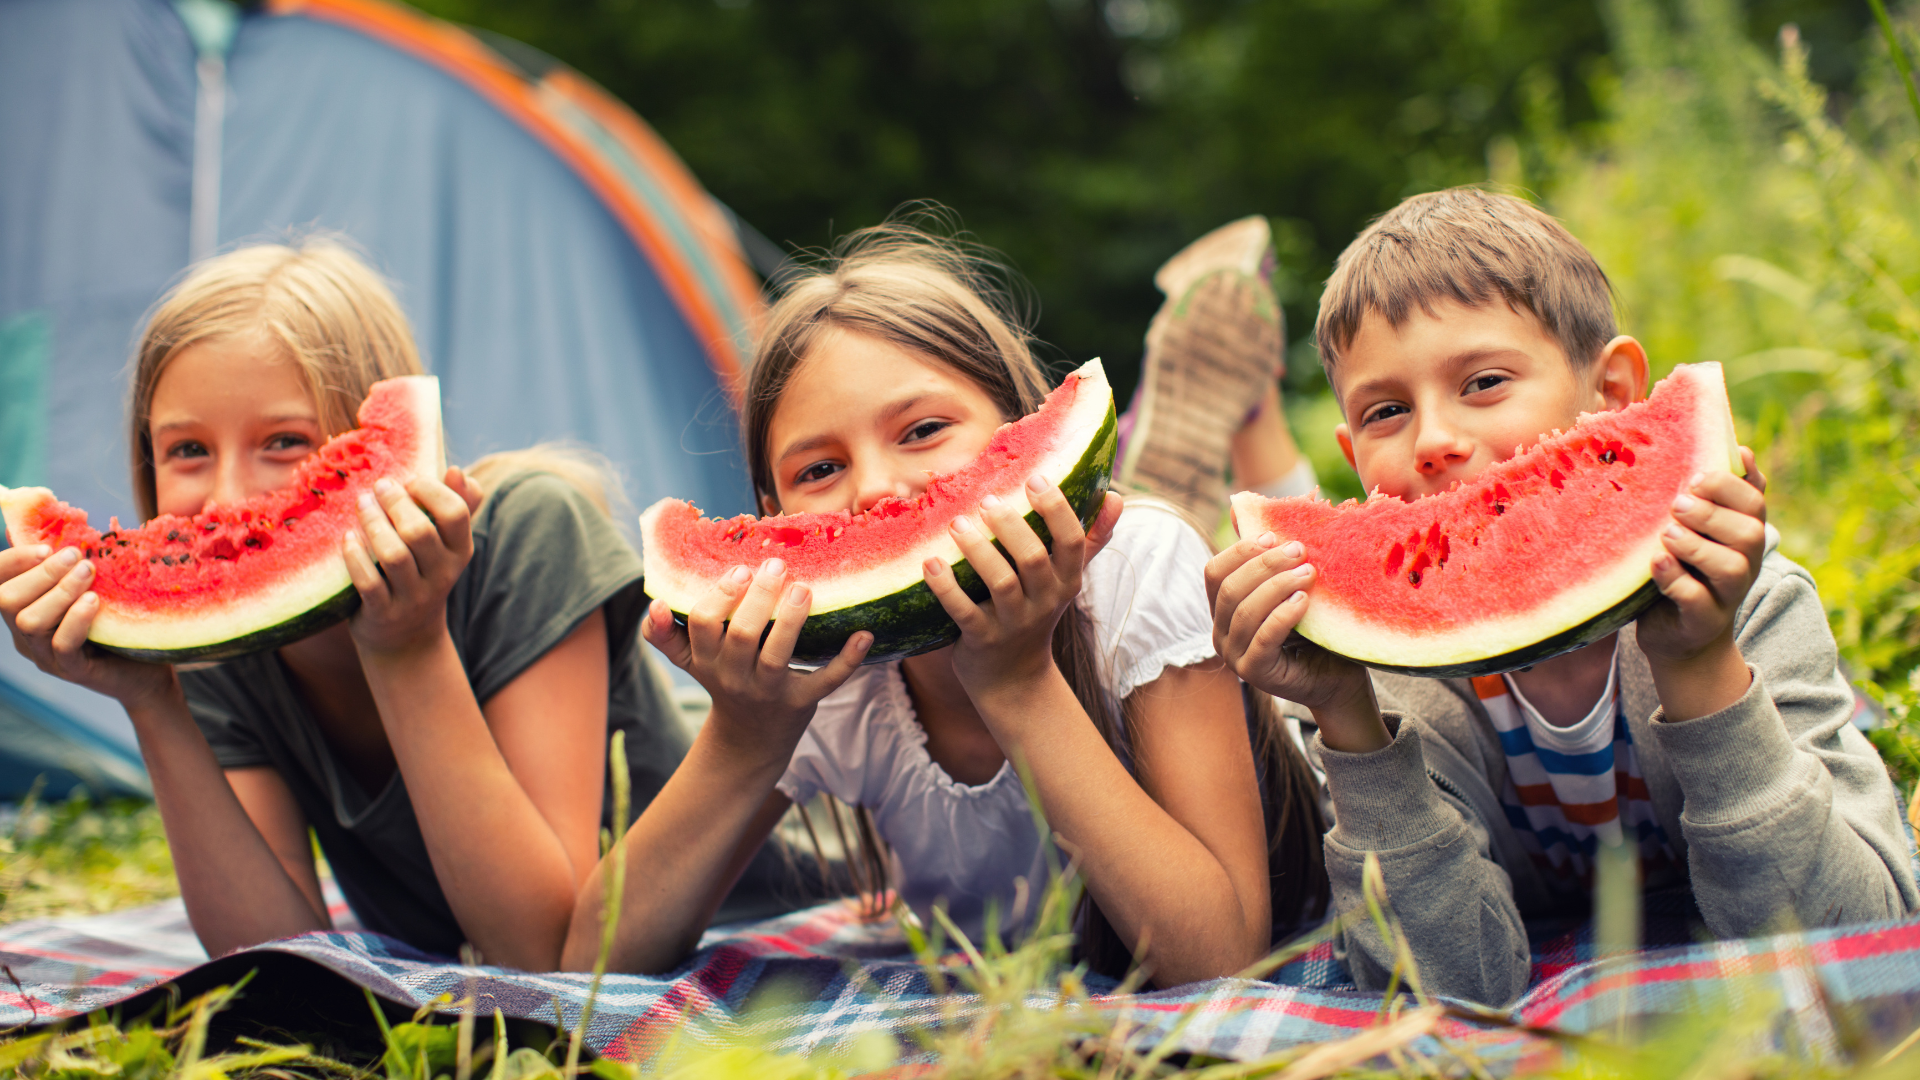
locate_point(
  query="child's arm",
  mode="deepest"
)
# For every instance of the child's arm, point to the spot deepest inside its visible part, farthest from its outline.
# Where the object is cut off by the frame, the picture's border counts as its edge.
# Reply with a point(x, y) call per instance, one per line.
point(1182, 879)
point(696, 836)
point(237, 890)
point(1455, 904)
point(1789, 817)
point(507, 797)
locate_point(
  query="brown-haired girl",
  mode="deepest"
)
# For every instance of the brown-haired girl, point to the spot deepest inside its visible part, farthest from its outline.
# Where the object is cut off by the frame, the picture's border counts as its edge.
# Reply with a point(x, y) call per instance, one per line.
point(447, 744)
point(1092, 664)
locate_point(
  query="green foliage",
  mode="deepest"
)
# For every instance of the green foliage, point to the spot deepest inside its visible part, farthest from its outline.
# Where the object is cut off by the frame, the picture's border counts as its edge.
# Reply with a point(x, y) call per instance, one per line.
point(1091, 139)
point(75, 857)
point(1748, 215)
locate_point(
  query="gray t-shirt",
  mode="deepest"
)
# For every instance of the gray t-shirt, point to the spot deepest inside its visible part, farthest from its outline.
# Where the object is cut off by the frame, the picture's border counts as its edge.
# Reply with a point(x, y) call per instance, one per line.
point(544, 557)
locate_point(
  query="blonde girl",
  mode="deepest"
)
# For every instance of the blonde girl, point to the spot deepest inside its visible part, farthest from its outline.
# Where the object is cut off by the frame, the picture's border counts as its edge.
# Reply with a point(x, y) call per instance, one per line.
point(447, 744)
point(1093, 664)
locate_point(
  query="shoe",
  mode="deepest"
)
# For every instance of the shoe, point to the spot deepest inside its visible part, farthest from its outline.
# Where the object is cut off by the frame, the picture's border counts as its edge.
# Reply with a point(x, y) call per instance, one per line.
point(1213, 348)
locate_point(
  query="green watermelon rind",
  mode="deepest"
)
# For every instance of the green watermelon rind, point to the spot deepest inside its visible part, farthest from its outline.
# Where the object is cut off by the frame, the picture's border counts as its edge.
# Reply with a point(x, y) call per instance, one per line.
point(910, 620)
point(332, 611)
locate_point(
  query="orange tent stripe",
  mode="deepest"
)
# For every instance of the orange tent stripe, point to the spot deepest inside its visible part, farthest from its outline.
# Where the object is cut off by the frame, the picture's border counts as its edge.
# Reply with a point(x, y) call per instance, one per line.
point(463, 56)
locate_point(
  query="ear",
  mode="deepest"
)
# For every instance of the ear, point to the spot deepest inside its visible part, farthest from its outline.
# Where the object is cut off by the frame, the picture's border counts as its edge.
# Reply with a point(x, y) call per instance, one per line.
point(1619, 374)
point(1346, 444)
point(768, 507)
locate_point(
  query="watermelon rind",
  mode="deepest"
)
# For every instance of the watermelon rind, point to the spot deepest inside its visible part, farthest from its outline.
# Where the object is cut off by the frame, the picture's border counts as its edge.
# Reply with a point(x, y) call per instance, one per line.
point(296, 606)
point(1612, 598)
point(894, 602)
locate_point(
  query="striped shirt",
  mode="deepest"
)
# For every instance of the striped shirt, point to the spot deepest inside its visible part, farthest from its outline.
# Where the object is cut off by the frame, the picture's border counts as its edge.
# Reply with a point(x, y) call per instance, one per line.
point(1570, 789)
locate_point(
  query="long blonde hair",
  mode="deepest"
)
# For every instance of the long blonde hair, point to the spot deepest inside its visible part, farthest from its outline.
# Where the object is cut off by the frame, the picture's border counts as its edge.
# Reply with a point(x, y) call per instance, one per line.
point(317, 305)
point(952, 302)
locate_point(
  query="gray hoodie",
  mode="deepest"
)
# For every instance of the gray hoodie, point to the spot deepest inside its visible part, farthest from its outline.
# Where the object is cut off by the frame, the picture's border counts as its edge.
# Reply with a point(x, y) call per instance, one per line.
point(1780, 810)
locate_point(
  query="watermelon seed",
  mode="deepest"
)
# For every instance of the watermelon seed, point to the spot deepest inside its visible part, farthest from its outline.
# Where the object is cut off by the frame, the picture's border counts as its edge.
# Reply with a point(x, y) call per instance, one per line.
point(1499, 508)
point(173, 535)
point(1609, 457)
point(1414, 577)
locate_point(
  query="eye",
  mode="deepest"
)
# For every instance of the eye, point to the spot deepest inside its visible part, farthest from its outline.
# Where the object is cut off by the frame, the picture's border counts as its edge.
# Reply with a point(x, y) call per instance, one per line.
point(289, 441)
point(1480, 383)
point(1383, 412)
point(926, 429)
point(186, 448)
point(815, 472)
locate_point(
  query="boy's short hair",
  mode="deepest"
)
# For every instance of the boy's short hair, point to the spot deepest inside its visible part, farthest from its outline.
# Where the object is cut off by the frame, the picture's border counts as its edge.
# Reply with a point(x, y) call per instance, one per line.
point(1474, 247)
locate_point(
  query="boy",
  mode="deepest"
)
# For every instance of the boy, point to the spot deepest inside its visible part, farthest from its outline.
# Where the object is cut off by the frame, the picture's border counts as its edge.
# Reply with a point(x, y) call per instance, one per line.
point(1712, 734)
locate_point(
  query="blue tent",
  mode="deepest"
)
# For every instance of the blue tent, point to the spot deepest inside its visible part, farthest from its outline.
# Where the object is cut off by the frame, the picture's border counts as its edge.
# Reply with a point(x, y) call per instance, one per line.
point(566, 276)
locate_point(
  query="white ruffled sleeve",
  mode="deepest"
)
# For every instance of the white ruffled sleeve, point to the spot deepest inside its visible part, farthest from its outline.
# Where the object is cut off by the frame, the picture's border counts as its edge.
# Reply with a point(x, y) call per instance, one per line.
point(1147, 593)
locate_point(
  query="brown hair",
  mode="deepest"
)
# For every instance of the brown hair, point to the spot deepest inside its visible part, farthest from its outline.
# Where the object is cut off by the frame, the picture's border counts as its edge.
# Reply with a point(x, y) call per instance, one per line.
point(952, 302)
point(1474, 247)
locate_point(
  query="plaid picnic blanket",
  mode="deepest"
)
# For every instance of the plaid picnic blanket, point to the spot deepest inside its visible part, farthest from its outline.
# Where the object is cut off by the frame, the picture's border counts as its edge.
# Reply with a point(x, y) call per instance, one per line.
point(844, 978)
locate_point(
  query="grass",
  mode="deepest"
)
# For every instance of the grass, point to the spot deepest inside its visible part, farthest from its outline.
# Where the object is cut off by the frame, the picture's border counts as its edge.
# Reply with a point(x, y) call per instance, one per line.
point(1746, 216)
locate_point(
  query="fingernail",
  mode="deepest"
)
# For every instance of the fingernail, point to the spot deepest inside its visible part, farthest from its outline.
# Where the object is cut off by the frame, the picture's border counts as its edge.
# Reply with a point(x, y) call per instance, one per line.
point(85, 569)
point(1682, 503)
point(67, 557)
point(1294, 549)
point(933, 567)
point(961, 524)
point(366, 502)
point(990, 502)
point(741, 575)
point(1267, 540)
point(385, 486)
point(1694, 480)
point(39, 551)
point(1304, 570)
point(1036, 483)
point(773, 567)
point(1674, 531)
point(799, 596)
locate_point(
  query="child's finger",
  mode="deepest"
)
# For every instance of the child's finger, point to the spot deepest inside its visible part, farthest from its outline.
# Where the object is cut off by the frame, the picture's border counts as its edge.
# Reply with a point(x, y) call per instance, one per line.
point(958, 605)
point(1273, 596)
point(464, 486)
point(707, 622)
point(1224, 565)
point(1741, 532)
point(16, 561)
point(19, 590)
point(1754, 476)
point(1725, 569)
point(1023, 545)
point(414, 528)
point(741, 644)
point(1730, 492)
point(383, 543)
point(777, 651)
point(362, 571)
point(1265, 650)
point(828, 679)
point(1002, 581)
point(70, 637)
point(1251, 576)
point(1677, 585)
point(451, 519)
point(1101, 531)
point(658, 628)
point(44, 615)
point(1069, 554)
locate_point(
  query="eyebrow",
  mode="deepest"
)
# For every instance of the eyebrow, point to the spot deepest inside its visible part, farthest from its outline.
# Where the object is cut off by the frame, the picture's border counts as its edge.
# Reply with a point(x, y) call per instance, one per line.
point(281, 418)
point(816, 442)
point(1457, 360)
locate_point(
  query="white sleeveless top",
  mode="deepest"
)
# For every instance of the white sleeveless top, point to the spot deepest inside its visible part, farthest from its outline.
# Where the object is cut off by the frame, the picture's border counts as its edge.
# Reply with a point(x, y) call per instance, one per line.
point(966, 845)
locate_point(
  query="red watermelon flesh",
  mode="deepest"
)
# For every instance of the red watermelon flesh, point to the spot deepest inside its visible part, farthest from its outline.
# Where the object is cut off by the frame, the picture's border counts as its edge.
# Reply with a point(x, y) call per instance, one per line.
point(865, 569)
point(238, 578)
point(1539, 554)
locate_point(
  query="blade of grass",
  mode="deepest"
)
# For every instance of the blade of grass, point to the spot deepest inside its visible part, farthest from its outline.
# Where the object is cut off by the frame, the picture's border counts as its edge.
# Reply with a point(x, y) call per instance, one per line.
point(1901, 62)
point(616, 884)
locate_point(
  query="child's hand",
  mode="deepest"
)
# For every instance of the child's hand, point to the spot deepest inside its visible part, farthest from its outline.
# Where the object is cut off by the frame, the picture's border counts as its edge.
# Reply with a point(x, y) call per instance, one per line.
point(1714, 547)
point(418, 540)
point(1009, 639)
point(1258, 589)
point(749, 679)
point(45, 601)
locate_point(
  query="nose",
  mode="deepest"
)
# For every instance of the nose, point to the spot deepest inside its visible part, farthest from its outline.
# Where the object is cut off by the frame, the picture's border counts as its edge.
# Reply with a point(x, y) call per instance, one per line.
point(1440, 446)
point(875, 483)
point(232, 480)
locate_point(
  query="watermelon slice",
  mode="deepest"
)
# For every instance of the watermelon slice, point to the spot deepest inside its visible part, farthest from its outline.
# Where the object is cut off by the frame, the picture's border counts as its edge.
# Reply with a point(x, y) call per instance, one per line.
point(251, 576)
point(865, 569)
point(1540, 554)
